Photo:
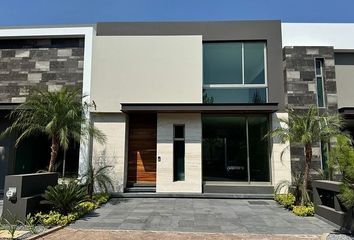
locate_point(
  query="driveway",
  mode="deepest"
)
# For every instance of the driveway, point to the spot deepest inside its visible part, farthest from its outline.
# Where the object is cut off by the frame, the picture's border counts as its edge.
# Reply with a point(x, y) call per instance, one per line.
point(200, 215)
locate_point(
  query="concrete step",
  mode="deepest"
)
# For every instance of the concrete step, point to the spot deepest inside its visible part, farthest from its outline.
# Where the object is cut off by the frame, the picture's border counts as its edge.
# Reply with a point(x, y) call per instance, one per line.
point(191, 195)
point(140, 190)
point(238, 189)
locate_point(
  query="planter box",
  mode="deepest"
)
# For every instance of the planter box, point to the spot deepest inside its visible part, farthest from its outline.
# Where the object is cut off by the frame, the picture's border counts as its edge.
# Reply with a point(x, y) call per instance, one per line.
point(27, 189)
point(328, 206)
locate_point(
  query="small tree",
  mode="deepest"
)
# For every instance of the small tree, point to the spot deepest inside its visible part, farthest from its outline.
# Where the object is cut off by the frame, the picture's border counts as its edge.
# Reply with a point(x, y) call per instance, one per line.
point(60, 115)
point(342, 160)
point(307, 128)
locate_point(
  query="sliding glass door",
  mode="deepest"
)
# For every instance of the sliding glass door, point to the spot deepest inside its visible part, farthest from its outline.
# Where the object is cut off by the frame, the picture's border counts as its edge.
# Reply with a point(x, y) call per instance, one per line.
point(234, 148)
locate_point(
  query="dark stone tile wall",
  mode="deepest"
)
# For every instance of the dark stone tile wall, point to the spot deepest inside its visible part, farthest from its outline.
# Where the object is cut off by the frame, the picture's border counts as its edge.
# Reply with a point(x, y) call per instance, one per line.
point(301, 90)
point(48, 64)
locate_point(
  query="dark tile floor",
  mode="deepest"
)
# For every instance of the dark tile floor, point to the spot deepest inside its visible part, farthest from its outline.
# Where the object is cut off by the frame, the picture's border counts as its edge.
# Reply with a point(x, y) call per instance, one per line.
point(201, 215)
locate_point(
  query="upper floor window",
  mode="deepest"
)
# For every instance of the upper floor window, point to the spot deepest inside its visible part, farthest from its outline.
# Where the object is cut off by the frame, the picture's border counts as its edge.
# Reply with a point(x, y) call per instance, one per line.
point(320, 82)
point(234, 72)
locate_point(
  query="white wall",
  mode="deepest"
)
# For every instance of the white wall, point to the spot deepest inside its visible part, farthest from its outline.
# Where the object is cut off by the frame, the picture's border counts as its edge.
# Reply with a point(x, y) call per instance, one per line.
point(280, 156)
point(112, 152)
point(338, 35)
point(193, 153)
point(146, 69)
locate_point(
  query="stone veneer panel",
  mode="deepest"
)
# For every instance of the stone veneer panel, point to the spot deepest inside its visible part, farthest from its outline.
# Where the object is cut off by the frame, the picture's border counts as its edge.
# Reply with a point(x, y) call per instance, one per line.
point(301, 90)
point(48, 64)
point(280, 155)
point(112, 152)
point(193, 153)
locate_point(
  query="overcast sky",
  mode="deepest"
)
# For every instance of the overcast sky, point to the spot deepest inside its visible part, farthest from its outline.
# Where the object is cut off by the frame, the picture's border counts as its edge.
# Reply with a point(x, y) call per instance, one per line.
point(44, 12)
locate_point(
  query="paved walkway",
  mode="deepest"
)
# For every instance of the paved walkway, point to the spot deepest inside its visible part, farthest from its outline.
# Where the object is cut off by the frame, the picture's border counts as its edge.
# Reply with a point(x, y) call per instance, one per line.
point(79, 234)
point(200, 215)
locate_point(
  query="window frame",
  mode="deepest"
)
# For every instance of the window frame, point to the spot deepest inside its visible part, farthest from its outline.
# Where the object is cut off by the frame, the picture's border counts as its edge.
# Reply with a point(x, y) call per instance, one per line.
point(321, 75)
point(243, 85)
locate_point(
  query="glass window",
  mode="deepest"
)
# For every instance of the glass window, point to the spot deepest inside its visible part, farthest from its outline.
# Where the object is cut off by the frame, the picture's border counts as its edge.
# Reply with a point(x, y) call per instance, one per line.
point(178, 153)
point(222, 63)
point(224, 148)
point(320, 95)
point(234, 148)
point(179, 132)
point(318, 67)
point(235, 95)
point(258, 148)
point(254, 63)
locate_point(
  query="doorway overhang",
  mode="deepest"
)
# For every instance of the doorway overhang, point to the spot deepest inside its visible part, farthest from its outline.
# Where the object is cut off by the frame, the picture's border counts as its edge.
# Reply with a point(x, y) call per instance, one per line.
point(198, 108)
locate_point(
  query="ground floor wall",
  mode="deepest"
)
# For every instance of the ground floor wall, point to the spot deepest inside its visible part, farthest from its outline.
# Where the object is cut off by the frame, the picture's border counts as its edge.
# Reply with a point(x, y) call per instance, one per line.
point(280, 153)
point(114, 151)
point(193, 153)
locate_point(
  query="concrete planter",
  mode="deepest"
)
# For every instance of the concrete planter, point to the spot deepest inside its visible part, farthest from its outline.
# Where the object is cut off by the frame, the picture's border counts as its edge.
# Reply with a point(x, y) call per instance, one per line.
point(23, 194)
point(328, 206)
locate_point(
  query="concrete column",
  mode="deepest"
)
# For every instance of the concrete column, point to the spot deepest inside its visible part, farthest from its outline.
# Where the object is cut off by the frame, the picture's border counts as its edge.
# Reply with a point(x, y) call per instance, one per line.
point(280, 154)
point(193, 153)
point(113, 151)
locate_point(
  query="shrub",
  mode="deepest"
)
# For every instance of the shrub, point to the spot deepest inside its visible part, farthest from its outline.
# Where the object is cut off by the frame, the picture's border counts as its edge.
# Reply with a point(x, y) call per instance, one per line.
point(65, 197)
point(286, 200)
point(55, 218)
point(98, 177)
point(304, 211)
point(86, 207)
point(101, 198)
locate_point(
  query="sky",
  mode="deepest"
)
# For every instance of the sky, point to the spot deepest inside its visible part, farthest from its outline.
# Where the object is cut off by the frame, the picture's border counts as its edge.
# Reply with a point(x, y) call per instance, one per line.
point(61, 12)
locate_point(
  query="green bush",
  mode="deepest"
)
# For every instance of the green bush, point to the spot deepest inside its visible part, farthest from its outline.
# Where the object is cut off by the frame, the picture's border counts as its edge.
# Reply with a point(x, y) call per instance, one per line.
point(100, 198)
point(86, 207)
point(286, 200)
point(64, 198)
point(304, 211)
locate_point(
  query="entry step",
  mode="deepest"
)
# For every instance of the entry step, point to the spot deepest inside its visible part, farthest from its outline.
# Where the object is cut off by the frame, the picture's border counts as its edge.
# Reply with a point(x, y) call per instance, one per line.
point(140, 189)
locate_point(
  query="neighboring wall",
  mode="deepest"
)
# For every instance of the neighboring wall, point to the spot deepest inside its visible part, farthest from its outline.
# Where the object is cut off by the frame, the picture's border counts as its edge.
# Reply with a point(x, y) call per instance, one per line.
point(344, 65)
point(146, 69)
point(47, 63)
point(301, 90)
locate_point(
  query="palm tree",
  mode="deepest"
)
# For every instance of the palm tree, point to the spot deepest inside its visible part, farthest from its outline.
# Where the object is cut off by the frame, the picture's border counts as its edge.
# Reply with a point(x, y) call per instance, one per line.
point(60, 115)
point(308, 128)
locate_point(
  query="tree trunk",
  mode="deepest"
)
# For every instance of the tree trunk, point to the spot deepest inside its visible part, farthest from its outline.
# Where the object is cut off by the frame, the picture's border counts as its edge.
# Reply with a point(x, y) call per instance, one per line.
point(308, 159)
point(53, 154)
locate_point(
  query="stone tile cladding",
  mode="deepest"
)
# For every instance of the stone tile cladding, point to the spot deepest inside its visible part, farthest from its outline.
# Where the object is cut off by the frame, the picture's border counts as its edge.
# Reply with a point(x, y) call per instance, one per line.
point(301, 90)
point(48, 64)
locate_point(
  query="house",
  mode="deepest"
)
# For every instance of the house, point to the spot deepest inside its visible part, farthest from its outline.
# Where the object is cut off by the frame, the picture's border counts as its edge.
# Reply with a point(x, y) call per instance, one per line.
point(185, 106)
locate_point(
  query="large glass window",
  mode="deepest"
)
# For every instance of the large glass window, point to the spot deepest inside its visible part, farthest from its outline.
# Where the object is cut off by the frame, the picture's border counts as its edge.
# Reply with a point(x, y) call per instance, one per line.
point(234, 148)
point(235, 95)
point(258, 148)
point(222, 63)
point(234, 72)
point(254, 63)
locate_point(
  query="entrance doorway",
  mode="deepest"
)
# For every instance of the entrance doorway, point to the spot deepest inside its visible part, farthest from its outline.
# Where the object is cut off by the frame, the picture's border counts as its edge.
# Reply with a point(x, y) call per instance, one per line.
point(142, 149)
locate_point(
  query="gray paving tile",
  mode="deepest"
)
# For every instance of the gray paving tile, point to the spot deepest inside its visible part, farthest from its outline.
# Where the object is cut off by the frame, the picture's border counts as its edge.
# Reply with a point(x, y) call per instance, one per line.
point(200, 215)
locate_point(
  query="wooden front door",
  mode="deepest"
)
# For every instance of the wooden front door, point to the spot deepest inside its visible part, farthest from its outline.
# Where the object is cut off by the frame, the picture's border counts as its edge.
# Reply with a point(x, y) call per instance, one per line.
point(142, 149)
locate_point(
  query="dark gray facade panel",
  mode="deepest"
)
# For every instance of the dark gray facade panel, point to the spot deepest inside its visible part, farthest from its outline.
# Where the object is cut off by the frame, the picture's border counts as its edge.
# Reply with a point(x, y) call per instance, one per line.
point(344, 58)
point(269, 31)
point(46, 63)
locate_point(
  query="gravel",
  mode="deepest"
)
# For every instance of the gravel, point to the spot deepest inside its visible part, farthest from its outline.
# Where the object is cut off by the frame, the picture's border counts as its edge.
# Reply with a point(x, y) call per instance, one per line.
point(339, 236)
